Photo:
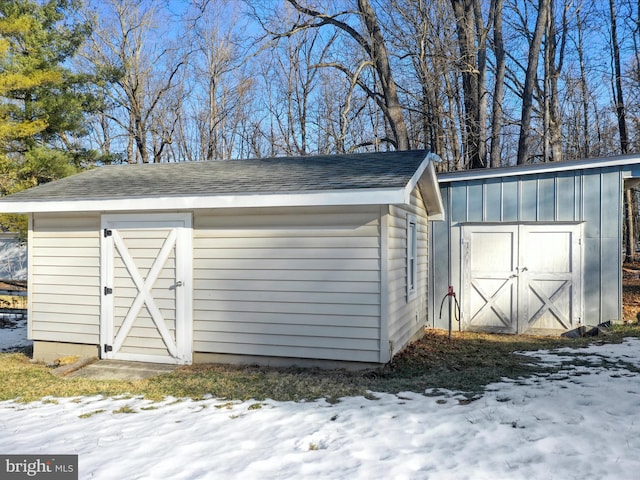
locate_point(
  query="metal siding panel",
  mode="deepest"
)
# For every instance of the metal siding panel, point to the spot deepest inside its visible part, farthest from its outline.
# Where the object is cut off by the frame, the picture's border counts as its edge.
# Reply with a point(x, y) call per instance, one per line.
point(474, 202)
point(440, 268)
point(510, 200)
point(493, 200)
point(546, 200)
point(528, 200)
point(592, 214)
point(566, 198)
point(612, 204)
point(438, 259)
point(592, 280)
point(458, 194)
point(610, 280)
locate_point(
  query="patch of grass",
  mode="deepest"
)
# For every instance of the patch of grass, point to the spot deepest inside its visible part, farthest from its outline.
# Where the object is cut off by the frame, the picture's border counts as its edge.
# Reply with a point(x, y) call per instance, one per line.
point(466, 362)
point(90, 414)
point(124, 409)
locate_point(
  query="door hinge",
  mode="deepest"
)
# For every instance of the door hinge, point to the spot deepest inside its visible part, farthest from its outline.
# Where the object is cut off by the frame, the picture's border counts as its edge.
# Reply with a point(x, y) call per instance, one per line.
point(108, 348)
point(107, 233)
point(108, 291)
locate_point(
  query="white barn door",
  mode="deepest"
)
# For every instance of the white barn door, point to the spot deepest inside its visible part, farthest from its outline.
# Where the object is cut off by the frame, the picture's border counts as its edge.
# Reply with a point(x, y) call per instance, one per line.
point(490, 288)
point(521, 278)
point(146, 288)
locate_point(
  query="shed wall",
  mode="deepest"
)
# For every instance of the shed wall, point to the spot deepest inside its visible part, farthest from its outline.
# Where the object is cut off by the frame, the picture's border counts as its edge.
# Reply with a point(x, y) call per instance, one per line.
point(64, 278)
point(407, 316)
point(288, 282)
point(591, 196)
point(301, 283)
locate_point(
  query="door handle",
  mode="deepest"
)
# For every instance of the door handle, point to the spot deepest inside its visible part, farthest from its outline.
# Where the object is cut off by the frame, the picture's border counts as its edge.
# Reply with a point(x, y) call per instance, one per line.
point(518, 272)
point(176, 285)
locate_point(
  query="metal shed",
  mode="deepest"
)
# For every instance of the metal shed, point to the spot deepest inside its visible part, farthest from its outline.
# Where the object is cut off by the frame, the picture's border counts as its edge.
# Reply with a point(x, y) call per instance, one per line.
point(535, 248)
point(276, 260)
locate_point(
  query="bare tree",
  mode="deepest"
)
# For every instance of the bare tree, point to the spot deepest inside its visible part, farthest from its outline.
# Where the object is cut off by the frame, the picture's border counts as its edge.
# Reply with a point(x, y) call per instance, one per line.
point(530, 82)
point(375, 59)
point(141, 69)
point(498, 88)
point(219, 86)
point(420, 33)
point(630, 206)
point(553, 62)
point(472, 42)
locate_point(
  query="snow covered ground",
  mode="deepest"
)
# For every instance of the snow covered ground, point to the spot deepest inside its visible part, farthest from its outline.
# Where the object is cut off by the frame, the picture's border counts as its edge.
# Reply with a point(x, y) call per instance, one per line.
point(582, 423)
point(13, 258)
point(11, 338)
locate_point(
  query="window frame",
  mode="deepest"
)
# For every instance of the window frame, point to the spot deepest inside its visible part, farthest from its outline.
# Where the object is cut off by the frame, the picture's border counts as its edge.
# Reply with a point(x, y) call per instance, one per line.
point(412, 257)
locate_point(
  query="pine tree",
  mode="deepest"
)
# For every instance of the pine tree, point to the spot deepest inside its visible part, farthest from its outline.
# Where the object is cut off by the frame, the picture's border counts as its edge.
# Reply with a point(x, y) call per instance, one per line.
point(42, 103)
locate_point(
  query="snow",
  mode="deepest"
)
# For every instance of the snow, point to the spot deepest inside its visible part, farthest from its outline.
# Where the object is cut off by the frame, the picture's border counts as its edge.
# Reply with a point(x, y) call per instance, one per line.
point(13, 259)
point(582, 422)
point(15, 337)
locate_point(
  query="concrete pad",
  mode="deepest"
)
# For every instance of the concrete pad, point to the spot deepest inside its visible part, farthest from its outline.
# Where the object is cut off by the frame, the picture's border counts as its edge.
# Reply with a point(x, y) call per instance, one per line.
point(121, 370)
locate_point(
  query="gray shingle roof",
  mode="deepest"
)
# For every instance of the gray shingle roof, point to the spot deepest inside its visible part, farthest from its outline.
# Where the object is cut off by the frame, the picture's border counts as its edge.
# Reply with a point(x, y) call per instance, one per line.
point(257, 176)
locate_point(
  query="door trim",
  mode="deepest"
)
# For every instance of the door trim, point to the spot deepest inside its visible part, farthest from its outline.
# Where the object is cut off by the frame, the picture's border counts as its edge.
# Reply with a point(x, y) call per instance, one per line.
point(181, 223)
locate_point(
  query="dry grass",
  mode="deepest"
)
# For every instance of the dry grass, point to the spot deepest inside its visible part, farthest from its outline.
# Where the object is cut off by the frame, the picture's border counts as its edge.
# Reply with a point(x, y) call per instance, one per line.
point(467, 363)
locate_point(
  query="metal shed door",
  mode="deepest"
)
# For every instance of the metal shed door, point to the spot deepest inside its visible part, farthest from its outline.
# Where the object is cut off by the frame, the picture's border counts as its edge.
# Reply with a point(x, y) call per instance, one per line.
point(146, 288)
point(522, 278)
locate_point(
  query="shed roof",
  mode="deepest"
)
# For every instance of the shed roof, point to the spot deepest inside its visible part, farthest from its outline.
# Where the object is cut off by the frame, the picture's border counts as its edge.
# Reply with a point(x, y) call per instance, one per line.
point(628, 163)
point(349, 179)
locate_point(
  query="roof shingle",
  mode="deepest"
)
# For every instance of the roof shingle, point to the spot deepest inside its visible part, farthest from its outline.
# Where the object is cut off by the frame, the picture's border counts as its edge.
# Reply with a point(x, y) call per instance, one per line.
point(257, 176)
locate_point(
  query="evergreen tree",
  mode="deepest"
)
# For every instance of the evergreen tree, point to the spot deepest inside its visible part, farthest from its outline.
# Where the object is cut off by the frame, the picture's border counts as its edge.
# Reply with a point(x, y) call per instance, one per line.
point(42, 103)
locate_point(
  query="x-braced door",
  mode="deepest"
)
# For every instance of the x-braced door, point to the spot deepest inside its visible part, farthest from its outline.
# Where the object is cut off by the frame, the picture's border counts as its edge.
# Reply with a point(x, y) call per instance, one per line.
point(522, 278)
point(146, 288)
point(490, 292)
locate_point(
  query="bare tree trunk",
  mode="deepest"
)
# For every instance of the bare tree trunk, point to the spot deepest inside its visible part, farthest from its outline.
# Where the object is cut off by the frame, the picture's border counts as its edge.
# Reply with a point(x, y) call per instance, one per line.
point(498, 92)
point(620, 106)
point(481, 34)
point(630, 243)
point(530, 81)
point(555, 121)
point(466, 29)
point(374, 46)
point(585, 150)
point(380, 59)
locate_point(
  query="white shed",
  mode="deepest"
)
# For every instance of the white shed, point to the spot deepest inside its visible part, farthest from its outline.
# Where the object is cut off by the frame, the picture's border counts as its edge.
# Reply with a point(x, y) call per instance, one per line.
point(275, 261)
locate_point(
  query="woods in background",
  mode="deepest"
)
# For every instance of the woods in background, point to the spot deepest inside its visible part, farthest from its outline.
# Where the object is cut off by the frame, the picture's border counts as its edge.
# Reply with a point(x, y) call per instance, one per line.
point(483, 83)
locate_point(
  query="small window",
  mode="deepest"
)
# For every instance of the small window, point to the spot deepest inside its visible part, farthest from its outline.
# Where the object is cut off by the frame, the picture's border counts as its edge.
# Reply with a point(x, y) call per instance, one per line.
point(412, 256)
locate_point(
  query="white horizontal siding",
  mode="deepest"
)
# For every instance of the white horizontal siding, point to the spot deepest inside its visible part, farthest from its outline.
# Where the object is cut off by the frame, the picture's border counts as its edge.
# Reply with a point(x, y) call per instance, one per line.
point(406, 316)
point(64, 284)
point(289, 283)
